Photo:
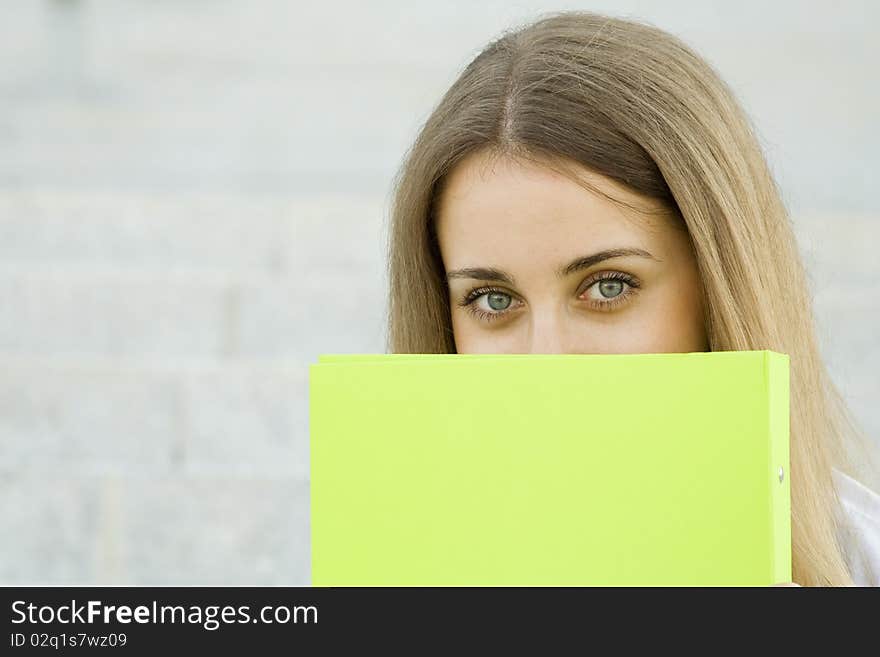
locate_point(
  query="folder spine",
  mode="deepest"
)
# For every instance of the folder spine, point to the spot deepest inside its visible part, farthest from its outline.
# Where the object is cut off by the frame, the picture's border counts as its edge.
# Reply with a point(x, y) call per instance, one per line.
point(777, 372)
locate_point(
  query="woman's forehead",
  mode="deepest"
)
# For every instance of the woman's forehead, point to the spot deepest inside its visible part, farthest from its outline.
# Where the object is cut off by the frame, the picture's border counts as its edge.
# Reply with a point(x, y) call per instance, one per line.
point(504, 204)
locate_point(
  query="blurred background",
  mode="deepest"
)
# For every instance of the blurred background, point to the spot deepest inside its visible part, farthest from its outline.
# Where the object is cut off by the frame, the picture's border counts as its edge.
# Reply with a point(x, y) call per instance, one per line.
point(193, 196)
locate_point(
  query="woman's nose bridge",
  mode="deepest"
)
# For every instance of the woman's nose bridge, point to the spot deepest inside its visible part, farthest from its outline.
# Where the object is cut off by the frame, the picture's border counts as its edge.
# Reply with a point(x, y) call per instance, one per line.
point(550, 333)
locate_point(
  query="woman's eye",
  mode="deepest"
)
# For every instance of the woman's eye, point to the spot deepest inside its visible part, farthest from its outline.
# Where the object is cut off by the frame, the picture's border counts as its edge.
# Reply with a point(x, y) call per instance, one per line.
point(610, 290)
point(494, 302)
point(487, 305)
point(606, 289)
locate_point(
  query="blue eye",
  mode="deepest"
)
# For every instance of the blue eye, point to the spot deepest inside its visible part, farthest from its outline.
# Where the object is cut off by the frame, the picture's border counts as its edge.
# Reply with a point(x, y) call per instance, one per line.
point(489, 303)
point(608, 288)
point(609, 291)
point(497, 300)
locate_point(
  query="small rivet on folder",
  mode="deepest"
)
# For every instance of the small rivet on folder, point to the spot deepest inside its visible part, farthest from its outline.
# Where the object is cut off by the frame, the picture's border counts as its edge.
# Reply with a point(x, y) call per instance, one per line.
point(781, 474)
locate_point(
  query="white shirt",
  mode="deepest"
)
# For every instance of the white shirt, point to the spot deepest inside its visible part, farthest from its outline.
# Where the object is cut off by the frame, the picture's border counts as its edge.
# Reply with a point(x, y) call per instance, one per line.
point(861, 536)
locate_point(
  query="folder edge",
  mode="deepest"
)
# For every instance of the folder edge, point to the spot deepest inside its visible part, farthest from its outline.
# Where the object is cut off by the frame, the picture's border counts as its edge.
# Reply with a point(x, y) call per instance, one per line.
point(778, 379)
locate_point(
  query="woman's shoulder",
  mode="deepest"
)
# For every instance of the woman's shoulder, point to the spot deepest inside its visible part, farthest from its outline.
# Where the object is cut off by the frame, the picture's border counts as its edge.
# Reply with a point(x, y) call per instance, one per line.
point(860, 536)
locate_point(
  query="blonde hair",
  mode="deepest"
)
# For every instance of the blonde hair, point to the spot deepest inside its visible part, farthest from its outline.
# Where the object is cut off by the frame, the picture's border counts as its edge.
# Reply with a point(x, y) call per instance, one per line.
point(635, 104)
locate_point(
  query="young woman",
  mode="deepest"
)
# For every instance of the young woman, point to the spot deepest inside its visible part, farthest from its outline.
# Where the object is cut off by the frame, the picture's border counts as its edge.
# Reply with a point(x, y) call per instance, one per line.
point(589, 185)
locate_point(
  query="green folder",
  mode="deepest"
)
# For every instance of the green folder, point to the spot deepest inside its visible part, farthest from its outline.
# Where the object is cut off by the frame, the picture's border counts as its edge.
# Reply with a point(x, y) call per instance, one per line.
point(552, 470)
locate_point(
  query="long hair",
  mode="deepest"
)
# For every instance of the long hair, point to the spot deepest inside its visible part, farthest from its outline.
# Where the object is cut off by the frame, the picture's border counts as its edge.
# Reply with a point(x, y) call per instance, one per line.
point(635, 104)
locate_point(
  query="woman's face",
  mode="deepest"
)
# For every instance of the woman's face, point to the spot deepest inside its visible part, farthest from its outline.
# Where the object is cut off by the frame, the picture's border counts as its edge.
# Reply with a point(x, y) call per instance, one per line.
point(538, 264)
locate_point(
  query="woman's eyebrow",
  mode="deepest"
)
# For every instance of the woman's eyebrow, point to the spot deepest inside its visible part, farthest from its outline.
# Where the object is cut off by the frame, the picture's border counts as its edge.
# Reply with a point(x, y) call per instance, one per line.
point(584, 262)
point(482, 274)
